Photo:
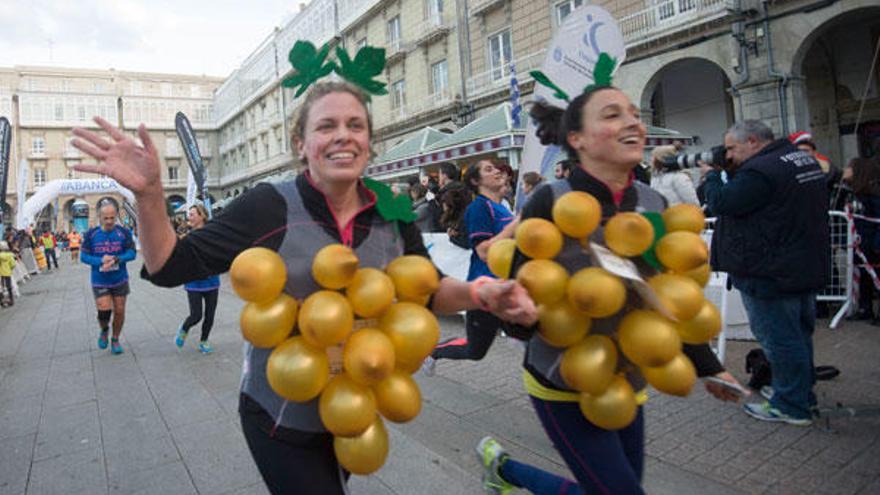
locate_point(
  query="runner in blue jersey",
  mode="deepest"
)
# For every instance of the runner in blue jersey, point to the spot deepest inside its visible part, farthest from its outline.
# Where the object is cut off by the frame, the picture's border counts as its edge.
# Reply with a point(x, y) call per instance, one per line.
point(487, 220)
point(107, 248)
point(197, 291)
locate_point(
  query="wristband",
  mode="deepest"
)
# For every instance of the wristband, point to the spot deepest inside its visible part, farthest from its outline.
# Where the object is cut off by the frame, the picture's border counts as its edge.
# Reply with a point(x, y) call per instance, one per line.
point(475, 297)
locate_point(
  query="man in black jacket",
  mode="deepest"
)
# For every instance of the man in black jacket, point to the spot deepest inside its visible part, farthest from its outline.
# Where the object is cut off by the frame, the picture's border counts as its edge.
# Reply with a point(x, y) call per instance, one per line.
point(772, 239)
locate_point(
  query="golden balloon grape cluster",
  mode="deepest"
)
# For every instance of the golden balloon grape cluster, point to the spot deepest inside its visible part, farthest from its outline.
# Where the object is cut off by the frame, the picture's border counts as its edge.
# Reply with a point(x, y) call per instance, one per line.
point(568, 302)
point(352, 345)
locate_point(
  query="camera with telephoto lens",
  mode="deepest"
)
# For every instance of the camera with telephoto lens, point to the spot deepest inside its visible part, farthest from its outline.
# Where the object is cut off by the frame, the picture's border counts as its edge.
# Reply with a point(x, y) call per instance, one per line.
point(714, 157)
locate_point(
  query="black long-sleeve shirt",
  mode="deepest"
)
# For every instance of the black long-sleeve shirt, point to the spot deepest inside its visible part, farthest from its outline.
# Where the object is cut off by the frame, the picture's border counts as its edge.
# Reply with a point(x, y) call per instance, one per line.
point(259, 218)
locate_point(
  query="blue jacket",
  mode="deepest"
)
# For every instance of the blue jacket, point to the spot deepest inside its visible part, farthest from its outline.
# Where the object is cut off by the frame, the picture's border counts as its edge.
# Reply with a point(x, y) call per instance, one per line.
point(203, 285)
point(772, 230)
point(97, 243)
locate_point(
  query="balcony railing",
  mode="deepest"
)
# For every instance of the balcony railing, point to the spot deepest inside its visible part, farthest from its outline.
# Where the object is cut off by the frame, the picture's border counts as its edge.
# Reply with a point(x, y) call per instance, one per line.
point(483, 7)
point(396, 51)
point(432, 102)
point(666, 16)
point(499, 77)
point(431, 28)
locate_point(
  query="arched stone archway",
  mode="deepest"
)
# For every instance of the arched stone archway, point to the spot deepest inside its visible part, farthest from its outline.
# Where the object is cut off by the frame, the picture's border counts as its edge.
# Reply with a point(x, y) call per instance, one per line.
point(832, 62)
point(635, 77)
point(690, 95)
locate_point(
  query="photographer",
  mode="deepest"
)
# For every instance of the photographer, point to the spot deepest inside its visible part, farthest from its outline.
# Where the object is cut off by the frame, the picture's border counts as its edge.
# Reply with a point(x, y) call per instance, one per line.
point(772, 239)
point(673, 183)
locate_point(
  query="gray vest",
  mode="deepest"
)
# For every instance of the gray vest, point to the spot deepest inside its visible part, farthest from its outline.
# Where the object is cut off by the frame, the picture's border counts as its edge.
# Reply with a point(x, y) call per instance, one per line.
point(543, 359)
point(302, 239)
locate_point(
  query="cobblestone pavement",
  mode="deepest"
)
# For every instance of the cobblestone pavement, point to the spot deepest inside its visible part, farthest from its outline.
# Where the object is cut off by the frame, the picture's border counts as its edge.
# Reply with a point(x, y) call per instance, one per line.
point(156, 419)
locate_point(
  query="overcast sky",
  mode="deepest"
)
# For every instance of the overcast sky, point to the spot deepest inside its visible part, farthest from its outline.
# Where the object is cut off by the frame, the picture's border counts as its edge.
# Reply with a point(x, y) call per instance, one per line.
point(209, 37)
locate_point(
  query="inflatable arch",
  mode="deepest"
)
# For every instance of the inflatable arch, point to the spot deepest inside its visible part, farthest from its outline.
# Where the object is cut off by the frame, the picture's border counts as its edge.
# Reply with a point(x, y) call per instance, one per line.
point(58, 187)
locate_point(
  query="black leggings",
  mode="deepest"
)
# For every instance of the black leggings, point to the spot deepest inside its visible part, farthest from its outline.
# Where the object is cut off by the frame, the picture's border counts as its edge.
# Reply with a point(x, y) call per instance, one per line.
point(290, 461)
point(7, 285)
point(195, 310)
point(481, 328)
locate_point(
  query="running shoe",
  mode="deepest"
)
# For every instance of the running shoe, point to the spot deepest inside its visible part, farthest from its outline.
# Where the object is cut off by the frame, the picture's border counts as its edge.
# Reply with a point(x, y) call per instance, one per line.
point(116, 347)
point(205, 347)
point(765, 412)
point(491, 454)
point(102, 339)
point(766, 392)
point(181, 337)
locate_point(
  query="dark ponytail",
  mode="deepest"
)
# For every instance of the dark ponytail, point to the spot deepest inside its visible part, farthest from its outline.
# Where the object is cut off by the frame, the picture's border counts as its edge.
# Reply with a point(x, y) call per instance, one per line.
point(554, 123)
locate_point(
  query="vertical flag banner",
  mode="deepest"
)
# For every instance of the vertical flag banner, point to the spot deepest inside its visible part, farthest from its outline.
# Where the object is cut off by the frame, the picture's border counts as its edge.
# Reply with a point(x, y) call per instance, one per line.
point(515, 106)
point(190, 189)
point(21, 191)
point(193, 156)
point(571, 57)
point(5, 147)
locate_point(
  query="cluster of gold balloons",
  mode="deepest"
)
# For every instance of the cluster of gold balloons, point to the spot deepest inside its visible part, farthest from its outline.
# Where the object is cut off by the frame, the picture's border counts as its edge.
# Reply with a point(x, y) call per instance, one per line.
point(567, 303)
point(355, 347)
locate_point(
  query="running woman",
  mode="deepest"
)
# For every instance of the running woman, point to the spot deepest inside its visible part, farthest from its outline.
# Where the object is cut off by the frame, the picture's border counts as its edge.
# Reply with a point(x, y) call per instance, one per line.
point(199, 292)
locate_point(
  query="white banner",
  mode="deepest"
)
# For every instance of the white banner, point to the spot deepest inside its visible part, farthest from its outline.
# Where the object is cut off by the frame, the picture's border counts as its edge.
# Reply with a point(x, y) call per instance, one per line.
point(190, 190)
point(75, 187)
point(449, 258)
point(573, 52)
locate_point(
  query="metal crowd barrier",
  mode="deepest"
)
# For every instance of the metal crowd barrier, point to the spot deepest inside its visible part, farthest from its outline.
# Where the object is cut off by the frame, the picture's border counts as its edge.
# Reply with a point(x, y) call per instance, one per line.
point(840, 289)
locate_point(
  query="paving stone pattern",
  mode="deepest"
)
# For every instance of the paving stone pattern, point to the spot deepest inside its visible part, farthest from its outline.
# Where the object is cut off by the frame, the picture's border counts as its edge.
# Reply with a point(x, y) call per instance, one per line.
point(74, 419)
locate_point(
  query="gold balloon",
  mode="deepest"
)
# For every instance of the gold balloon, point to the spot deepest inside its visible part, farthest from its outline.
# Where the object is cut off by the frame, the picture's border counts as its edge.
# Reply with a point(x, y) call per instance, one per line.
point(681, 251)
point(545, 280)
point(589, 365)
point(629, 234)
point(701, 328)
point(500, 256)
point(408, 367)
point(398, 397)
point(365, 453)
point(680, 295)
point(560, 325)
point(297, 371)
point(676, 377)
point(538, 238)
point(613, 409)
point(577, 214)
point(334, 266)
point(325, 318)
point(347, 408)
point(266, 325)
point(370, 292)
point(684, 217)
point(700, 274)
point(368, 356)
point(647, 338)
point(415, 277)
point(413, 330)
point(596, 292)
point(258, 274)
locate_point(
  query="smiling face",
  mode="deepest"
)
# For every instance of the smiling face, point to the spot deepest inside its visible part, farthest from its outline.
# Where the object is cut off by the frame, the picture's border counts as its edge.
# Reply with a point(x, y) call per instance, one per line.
point(195, 219)
point(612, 133)
point(491, 178)
point(335, 141)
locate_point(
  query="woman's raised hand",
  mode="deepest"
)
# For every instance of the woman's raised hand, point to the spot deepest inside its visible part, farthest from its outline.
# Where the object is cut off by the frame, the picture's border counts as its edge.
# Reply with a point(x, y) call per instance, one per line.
point(134, 166)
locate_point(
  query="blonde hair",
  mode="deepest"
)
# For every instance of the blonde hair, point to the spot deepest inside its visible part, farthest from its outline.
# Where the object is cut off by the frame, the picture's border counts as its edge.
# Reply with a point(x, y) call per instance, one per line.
point(203, 212)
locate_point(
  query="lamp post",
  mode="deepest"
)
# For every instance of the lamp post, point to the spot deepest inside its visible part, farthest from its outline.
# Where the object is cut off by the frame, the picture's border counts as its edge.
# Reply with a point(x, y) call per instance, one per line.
point(462, 112)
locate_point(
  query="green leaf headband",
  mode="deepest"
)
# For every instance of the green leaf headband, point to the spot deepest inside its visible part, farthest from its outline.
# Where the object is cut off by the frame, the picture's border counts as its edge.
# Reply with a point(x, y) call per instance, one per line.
point(312, 64)
point(602, 71)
